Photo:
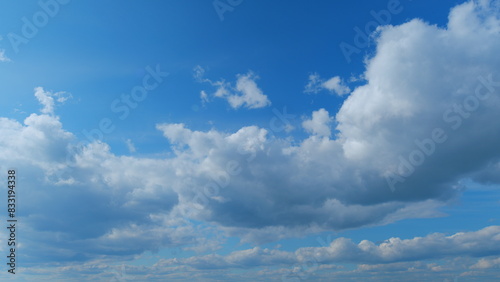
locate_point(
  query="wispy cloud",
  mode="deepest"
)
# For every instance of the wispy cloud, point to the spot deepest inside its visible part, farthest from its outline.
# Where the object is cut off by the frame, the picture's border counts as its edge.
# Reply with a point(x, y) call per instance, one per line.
point(3, 57)
point(245, 93)
point(130, 146)
point(333, 85)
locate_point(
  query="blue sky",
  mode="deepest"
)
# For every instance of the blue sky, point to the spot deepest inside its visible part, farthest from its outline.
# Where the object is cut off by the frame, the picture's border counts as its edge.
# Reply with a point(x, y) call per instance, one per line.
point(236, 140)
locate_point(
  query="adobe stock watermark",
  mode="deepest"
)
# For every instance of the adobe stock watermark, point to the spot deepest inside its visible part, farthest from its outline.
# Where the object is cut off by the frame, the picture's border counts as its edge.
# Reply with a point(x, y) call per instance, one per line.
point(122, 107)
point(361, 38)
point(454, 117)
point(281, 121)
point(223, 6)
point(32, 25)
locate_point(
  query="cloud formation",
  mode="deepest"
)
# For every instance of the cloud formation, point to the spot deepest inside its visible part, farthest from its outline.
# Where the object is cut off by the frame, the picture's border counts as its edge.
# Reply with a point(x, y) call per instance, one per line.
point(479, 243)
point(3, 57)
point(418, 83)
point(319, 124)
point(333, 85)
point(467, 255)
point(48, 99)
point(262, 188)
point(245, 93)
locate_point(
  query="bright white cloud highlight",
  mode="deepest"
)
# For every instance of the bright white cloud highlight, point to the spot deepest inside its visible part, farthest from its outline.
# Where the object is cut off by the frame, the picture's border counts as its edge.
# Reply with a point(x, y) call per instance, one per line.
point(336, 85)
point(48, 99)
point(319, 124)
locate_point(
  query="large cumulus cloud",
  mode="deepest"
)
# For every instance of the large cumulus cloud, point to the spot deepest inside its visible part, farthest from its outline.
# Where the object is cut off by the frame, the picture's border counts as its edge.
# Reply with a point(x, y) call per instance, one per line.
point(424, 119)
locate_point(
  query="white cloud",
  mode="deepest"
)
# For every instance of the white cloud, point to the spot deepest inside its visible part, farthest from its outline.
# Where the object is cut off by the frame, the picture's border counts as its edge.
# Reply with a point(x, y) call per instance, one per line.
point(417, 74)
point(414, 100)
point(3, 57)
point(130, 146)
point(314, 84)
point(204, 97)
point(46, 98)
point(478, 243)
point(366, 253)
point(334, 85)
point(319, 124)
point(486, 263)
point(199, 73)
point(250, 94)
point(245, 93)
